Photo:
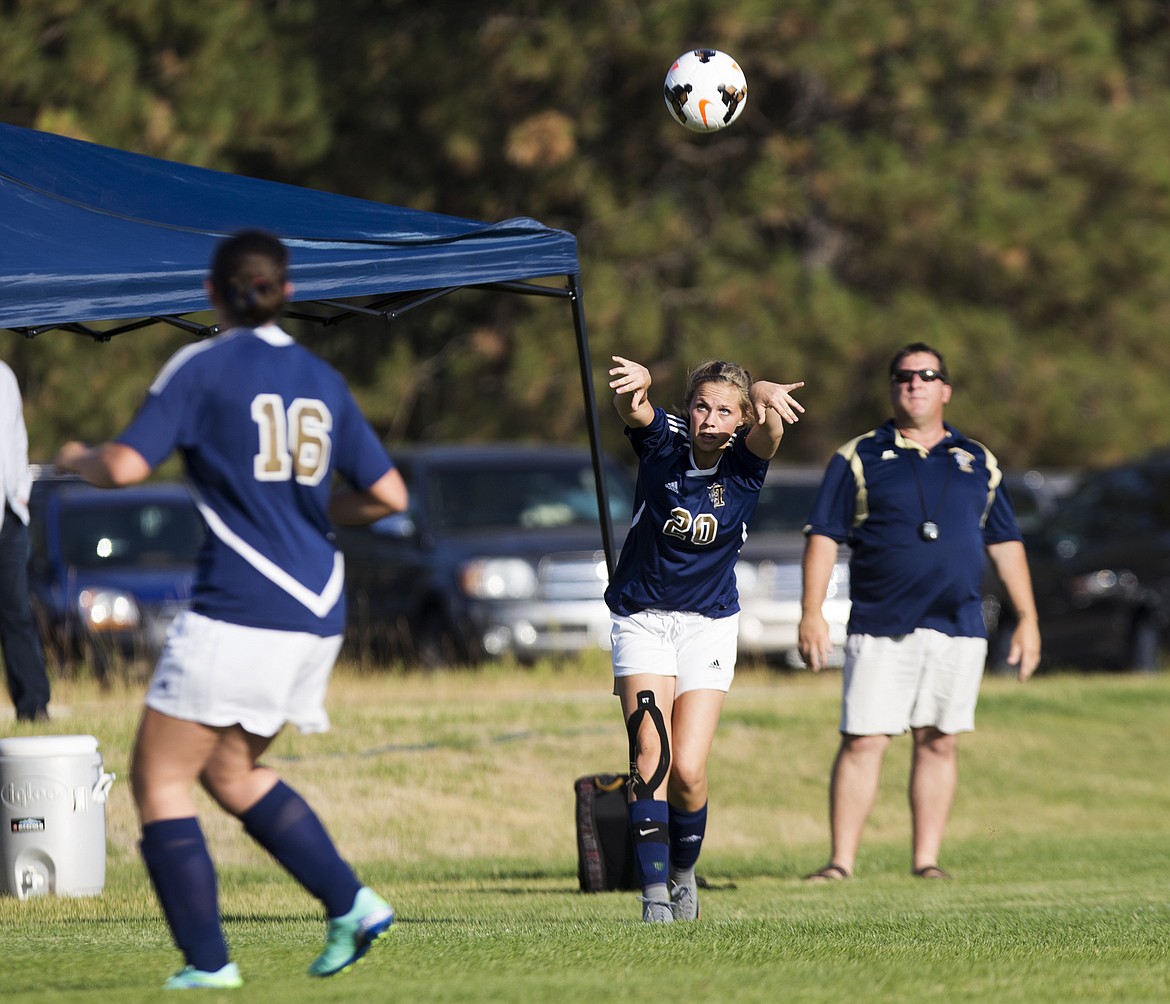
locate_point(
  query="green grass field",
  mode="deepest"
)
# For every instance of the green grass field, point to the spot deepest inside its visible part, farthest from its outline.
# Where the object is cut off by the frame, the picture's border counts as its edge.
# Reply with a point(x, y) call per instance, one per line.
point(453, 794)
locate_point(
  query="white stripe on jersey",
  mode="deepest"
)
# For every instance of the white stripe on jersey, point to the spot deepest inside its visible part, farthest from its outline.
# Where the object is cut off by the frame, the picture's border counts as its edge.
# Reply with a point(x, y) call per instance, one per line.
point(271, 333)
point(319, 603)
point(175, 363)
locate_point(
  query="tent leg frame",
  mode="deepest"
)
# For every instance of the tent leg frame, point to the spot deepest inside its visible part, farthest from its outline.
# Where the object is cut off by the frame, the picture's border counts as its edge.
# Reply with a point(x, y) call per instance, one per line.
point(578, 306)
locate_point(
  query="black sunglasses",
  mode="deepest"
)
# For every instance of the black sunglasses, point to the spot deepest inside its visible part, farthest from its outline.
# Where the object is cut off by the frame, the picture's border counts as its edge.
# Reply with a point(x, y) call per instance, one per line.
point(926, 376)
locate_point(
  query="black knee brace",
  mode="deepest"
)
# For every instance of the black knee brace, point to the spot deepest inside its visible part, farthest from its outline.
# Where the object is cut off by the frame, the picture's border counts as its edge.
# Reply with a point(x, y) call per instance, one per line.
point(646, 706)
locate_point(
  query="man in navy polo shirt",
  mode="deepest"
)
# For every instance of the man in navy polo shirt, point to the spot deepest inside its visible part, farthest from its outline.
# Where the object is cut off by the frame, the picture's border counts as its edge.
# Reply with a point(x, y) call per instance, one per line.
point(919, 505)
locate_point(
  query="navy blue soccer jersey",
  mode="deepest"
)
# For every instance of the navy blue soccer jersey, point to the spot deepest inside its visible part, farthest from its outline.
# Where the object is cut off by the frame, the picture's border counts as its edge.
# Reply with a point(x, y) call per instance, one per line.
point(262, 425)
point(688, 524)
point(877, 493)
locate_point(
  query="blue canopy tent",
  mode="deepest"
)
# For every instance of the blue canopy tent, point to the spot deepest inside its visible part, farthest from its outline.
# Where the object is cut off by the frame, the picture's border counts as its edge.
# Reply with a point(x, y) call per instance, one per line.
point(92, 234)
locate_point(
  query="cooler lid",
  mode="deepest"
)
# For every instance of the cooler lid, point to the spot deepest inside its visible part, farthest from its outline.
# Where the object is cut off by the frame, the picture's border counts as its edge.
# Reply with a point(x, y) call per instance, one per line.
point(47, 745)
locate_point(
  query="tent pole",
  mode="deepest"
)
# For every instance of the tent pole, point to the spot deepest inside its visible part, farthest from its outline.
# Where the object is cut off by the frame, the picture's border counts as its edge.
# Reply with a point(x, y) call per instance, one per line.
point(591, 417)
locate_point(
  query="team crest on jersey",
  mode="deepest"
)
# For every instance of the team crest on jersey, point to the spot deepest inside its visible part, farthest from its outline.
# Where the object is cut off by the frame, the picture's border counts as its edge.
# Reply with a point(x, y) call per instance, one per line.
point(964, 460)
point(715, 494)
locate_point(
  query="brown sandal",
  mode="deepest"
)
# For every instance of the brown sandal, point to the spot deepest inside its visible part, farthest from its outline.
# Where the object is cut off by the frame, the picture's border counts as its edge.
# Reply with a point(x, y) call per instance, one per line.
point(830, 873)
point(931, 872)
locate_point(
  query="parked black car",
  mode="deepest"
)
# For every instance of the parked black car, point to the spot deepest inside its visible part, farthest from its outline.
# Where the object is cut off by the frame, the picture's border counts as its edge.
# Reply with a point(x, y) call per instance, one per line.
point(500, 552)
point(1035, 494)
point(109, 570)
point(1100, 566)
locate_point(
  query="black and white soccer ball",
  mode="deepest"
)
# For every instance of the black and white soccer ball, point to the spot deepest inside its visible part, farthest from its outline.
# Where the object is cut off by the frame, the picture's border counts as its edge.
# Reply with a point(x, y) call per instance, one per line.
point(705, 90)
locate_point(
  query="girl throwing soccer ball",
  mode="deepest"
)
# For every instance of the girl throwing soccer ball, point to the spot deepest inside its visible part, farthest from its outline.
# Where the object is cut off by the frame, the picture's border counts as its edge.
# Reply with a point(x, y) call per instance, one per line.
point(674, 603)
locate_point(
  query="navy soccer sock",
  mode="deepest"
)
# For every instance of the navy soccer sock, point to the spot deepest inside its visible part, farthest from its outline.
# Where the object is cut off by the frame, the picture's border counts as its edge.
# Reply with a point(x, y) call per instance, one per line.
point(180, 868)
point(287, 828)
point(687, 830)
point(649, 829)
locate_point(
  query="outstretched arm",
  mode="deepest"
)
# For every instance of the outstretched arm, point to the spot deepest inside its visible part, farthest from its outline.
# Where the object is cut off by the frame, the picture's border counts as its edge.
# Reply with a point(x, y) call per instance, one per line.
point(110, 465)
point(774, 406)
point(631, 388)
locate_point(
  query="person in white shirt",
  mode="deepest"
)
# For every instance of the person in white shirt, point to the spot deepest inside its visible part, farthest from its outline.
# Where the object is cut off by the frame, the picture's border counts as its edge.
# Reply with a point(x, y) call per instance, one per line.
point(24, 662)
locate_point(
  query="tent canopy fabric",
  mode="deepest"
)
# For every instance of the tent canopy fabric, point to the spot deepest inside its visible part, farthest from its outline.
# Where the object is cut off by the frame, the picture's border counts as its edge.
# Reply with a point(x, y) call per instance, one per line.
point(90, 233)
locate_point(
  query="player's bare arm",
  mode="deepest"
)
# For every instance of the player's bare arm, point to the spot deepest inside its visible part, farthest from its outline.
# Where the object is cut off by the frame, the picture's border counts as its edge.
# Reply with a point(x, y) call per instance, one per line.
point(110, 465)
point(774, 407)
point(357, 507)
point(631, 389)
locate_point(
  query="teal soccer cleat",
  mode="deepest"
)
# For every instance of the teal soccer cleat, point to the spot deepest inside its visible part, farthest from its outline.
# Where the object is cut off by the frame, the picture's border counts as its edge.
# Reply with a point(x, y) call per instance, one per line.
point(190, 978)
point(349, 937)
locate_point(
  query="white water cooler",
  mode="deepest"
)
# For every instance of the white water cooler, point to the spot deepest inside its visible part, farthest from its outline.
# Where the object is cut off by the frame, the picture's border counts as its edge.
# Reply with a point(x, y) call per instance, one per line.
point(52, 816)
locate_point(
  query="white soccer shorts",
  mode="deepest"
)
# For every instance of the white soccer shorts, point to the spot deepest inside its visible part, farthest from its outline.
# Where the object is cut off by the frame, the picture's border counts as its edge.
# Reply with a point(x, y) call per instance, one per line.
point(700, 651)
point(222, 674)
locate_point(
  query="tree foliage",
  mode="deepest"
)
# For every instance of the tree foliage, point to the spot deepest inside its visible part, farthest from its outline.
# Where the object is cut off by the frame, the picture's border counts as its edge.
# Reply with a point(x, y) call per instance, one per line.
point(988, 176)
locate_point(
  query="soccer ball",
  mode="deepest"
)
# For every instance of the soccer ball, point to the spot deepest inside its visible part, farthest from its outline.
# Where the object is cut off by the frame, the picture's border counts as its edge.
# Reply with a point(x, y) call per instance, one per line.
point(705, 90)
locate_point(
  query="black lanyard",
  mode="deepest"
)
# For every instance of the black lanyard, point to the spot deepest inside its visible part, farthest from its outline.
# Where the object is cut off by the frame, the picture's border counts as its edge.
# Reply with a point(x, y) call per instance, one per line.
point(928, 530)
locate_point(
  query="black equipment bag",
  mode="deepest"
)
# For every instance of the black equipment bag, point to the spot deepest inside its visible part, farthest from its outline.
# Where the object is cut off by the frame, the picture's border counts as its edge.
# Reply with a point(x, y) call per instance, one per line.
point(605, 853)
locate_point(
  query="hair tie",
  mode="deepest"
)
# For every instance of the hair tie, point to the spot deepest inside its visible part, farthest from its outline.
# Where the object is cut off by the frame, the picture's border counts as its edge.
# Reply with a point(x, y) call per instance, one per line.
point(259, 285)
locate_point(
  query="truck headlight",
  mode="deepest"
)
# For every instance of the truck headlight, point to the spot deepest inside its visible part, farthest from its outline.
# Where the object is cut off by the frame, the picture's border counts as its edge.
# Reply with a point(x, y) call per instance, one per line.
point(108, 610)
point(498, 579)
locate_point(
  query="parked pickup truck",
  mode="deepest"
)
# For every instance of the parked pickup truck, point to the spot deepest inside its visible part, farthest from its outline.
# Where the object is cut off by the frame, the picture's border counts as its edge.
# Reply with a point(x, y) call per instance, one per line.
point(499, 553)
point(109, 570)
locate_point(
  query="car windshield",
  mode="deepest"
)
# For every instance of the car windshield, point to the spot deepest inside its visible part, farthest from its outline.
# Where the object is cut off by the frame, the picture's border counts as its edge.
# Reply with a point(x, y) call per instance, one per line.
point(783, 508)
point(523, 498)
point(132, 534)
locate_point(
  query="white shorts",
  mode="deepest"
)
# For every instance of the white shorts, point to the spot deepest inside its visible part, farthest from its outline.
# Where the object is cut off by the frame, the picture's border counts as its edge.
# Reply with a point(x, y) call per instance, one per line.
point(221, 674)
point(909, 682)
point(700, 651)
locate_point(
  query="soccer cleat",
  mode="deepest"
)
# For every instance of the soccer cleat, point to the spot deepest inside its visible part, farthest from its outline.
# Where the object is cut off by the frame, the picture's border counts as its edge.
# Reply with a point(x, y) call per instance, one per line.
point(190, 978)
point(349, 937)
point(684, 899)
point(656, 911)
